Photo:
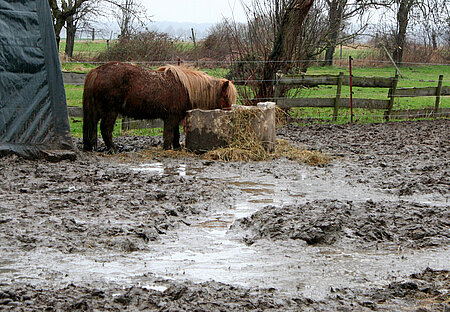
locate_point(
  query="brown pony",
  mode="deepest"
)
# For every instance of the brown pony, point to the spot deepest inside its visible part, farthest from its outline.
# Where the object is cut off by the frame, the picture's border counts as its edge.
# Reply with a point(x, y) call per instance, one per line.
point(167, 93)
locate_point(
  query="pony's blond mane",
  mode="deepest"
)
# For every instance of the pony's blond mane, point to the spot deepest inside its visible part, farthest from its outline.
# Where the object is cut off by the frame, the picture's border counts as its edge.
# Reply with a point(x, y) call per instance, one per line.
point(204, 90)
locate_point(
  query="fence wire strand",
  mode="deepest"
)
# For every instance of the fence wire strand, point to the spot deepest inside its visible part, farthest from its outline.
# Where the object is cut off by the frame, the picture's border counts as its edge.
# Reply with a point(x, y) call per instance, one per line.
point(230, 62)
point(248, 87)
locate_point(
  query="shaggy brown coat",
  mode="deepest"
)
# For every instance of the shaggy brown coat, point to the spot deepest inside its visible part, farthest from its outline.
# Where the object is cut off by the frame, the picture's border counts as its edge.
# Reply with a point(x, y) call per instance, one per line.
point(167, 93)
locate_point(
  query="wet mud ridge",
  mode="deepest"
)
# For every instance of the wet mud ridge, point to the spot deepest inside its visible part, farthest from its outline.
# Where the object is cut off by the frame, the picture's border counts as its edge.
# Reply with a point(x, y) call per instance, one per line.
point(351, 225)
point(370, 231)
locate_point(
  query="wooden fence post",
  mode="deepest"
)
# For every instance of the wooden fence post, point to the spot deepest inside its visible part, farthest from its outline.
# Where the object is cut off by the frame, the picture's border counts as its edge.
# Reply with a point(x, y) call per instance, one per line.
point(195, 46)
point(337, 101)
point(438, 95)
point(350, 78)
point(276, 91)
point(126, 123)
point(391, 96)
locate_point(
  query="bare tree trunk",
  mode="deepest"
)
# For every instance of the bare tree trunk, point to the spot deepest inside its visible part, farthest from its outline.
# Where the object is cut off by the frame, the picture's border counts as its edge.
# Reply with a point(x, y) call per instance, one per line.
point(70, 36)
point(58, 27)
point(60, 15)
point(434, 40)
point(126, 19)
point(329, 55)
point(335, 13)
point(284, 44)
point(402, 24)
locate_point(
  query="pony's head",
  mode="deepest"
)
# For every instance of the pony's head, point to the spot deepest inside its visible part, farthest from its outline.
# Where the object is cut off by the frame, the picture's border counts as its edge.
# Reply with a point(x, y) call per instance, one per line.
point(204, 91)
point(228, 94)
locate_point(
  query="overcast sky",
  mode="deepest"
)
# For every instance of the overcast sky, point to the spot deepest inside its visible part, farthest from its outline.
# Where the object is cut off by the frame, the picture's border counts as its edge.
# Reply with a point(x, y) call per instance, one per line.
point(197, 11)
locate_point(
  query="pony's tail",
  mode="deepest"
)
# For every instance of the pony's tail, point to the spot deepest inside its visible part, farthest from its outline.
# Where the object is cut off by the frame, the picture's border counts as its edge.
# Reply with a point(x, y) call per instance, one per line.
point(90, 119)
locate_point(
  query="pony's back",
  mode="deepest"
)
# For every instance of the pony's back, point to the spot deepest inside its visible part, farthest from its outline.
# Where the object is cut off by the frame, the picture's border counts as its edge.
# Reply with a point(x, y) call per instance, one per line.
point(204, 91)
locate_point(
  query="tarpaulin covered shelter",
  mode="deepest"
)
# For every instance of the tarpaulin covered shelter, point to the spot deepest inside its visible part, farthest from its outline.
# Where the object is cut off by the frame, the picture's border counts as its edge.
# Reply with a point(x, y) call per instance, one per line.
point(33, 110)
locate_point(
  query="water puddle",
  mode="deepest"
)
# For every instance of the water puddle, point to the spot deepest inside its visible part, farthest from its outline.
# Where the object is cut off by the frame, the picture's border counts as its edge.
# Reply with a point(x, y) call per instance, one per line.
point(160, 169)
point(208, 251)
point(6, 266)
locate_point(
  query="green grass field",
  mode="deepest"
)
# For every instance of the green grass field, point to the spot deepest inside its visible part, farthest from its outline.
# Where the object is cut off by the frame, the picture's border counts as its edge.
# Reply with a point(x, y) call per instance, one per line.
point(85, 48)
point(76, 127)
point(418, 76)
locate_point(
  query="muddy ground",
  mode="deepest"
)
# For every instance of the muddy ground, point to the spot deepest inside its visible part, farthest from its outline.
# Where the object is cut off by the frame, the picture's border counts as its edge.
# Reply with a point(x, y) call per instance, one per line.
point(369, 231)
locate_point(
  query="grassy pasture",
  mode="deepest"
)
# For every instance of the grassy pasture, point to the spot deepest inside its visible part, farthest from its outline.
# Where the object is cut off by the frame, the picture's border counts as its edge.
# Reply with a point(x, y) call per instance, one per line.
point(76, 128)
point(84, 49)
point(418, 76)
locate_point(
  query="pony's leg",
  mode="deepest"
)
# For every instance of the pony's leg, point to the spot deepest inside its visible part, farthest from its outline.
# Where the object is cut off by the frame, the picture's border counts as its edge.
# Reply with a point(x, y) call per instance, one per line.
point(171, 134)
point(90, 135)
point(106, 128)
point(176, 135)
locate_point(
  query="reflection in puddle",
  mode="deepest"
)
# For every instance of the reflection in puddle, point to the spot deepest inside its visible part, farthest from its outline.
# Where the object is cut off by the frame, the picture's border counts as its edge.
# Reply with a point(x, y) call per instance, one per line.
point(160, 169)
point(203, 254)
point(217, 223)
point(6, 266)
point(159, 288)
point(157, 168)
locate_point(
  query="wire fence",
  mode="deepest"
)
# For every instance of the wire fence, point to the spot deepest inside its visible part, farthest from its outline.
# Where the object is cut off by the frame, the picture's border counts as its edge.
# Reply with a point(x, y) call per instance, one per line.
point(248, 90)
point(177, 61)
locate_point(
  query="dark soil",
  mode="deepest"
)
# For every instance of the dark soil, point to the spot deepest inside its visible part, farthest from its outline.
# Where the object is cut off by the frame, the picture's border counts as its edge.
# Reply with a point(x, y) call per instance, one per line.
point(96, 204)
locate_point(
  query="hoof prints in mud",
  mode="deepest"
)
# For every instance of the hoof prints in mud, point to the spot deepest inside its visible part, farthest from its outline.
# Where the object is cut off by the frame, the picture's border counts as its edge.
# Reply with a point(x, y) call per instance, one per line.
point(403, 158)
point(97, 204)
point(426, 291)
point(209, 296)
point(364, 225)
point(421, 292)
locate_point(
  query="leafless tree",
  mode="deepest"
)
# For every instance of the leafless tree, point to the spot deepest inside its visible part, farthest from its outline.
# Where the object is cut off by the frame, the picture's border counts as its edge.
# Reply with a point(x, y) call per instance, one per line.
point(286, 25)
point(432, 15)
point(70, 13)
point(82, 17)
point(62, 11)
point(217, 43)
point(130, 16)
point(285, 42)
point(432, 18)
point(403, 12)
point(341, 12)
point(447, 35)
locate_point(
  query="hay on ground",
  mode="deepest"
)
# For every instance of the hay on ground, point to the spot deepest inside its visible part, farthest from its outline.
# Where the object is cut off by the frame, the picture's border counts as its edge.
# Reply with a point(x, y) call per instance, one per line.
point(243, 145)
point(282, 149)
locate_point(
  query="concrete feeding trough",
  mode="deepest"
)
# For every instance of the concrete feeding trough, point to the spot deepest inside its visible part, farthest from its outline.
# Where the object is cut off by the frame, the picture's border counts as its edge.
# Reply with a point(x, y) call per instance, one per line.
point(210, 129)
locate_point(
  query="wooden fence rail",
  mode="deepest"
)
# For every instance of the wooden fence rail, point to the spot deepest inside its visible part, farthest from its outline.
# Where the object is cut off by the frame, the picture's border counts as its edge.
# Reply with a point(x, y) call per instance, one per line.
point(73, 78)
point(337, 102)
